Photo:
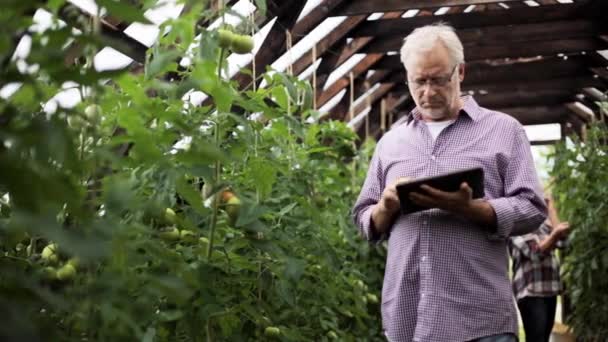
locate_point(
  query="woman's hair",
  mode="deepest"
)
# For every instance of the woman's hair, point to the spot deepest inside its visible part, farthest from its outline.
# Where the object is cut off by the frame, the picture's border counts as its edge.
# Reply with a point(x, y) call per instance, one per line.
point(424, 39)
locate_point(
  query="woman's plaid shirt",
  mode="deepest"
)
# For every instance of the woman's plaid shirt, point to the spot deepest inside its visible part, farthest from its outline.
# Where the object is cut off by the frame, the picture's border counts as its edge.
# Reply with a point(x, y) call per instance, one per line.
point(535, 274)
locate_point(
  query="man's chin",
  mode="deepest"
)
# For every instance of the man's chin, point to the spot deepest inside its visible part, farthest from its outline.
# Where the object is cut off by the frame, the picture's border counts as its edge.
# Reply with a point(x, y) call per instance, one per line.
point(435, 114)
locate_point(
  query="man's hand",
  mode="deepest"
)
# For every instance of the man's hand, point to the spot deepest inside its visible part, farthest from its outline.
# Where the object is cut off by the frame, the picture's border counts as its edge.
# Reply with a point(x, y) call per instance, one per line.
point(455, 201)
point(458, 202)
point(387, 207)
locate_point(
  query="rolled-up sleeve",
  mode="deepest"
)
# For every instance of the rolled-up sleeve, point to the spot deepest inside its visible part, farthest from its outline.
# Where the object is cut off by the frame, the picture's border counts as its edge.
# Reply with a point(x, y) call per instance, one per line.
point(522, 209)
point(368, 197)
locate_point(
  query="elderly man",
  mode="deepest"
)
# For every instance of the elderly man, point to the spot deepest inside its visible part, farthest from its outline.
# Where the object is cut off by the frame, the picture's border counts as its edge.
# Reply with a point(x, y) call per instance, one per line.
point(446, 274)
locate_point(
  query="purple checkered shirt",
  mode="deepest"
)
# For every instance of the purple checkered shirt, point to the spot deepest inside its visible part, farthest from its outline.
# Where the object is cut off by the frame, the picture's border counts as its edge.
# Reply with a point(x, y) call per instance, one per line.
point(446, 278)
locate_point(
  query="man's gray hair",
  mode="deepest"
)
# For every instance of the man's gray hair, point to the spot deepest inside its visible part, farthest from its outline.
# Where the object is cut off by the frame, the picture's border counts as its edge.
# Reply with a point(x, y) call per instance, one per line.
point(424, 38)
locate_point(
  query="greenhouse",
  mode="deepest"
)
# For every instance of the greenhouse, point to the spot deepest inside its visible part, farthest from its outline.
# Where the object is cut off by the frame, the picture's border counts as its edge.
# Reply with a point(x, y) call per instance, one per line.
point(304, 170)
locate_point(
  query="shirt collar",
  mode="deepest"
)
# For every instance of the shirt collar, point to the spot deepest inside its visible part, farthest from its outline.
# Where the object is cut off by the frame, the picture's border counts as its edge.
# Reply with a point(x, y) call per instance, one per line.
point(470, 108)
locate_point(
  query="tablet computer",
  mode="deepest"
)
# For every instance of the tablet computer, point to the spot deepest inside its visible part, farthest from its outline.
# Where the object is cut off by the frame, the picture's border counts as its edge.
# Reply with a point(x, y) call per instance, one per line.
point(446, 182)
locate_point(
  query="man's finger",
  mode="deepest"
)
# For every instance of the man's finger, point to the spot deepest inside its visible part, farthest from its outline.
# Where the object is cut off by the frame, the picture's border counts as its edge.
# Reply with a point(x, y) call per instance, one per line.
point(392, 196)
point(433, 191)
point(422, 200)
point(466, 188)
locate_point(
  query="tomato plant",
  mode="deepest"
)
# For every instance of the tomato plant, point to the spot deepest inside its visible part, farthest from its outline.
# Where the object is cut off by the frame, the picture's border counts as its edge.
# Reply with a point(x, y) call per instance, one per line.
point(580, 185)
point(111, 231)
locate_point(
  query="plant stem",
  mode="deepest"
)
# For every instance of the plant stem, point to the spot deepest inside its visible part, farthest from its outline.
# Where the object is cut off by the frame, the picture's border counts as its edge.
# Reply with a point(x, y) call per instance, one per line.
point(218, 166)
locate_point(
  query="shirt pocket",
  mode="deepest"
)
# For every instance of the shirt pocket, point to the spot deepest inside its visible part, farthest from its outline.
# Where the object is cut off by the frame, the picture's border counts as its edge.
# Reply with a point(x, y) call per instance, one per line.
point(412, 167)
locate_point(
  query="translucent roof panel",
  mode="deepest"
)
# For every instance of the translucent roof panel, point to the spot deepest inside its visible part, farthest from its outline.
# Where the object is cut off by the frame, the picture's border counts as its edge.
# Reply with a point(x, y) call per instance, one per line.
point(306, 44)
point(244, 8)
point(88, 6)
point(308, 72)
point(145, 34)
point(367, 94)
point(168, 9)
point(358, 120)
point(310, 5)
point(543, 132)
point(110, 59)
point(332, 102)
point(344, 68)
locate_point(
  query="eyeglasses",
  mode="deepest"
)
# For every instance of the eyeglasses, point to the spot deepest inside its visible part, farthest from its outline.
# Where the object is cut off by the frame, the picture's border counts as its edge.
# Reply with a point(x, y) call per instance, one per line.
point(436, 82)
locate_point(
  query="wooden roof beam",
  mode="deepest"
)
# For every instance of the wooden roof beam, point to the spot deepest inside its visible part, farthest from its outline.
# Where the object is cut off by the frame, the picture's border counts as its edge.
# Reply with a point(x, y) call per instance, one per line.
point(366, 63)
point(361, 85)
point(507, 34)
point(372, 98)
point(527, 49)
point(314, 18)
point(357, 7)
point(532, 70)
point(540, 97)
point(333, 46)
point(537, 115)
point(528, 15)
point(517, 50)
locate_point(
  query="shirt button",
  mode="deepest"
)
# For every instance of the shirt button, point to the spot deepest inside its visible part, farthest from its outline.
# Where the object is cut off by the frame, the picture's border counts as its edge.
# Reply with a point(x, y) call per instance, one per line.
point(433, 157)
point(423, 258)
point(422, 295)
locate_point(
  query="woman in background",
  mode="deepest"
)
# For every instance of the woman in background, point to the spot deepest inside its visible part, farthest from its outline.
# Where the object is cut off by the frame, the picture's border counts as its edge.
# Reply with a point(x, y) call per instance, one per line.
point(536, 278)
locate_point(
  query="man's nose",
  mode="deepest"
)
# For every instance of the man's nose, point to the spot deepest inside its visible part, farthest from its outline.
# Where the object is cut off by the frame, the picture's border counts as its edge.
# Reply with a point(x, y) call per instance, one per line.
point(428, 90)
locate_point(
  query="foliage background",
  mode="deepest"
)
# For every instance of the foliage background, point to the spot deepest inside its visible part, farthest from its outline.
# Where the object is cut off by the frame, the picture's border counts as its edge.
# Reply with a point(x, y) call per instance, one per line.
point(580, 186)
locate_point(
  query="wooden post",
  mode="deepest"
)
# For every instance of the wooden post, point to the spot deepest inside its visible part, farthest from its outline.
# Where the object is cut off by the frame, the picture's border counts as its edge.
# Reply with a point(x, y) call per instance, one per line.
point(383, 115)
point(368, 101)
point(352, 96)
point(288, 45)
point(314, 77)
point(253, 75)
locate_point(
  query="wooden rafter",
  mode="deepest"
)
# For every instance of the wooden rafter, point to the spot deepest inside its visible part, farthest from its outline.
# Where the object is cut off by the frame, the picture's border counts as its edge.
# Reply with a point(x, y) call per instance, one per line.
point(366, 63)
point(341, 110)
point(508, 34)
point(356, 7)
point(528, 15)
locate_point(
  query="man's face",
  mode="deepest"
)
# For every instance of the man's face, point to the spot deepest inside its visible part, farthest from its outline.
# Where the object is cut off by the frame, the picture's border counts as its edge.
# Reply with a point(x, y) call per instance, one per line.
point(434, 82)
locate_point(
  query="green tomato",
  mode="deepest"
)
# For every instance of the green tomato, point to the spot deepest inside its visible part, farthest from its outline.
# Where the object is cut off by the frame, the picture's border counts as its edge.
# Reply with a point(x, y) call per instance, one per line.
point(204, 244)
point(372, 298)
point(187, 235)
point(67, 272)
point(93, 113)
point(170, 216)
point(48, 253)
point(272, 331)
point(171, 234)
point(76, 122)
point(75, 262)
point(225, 38)
point(242, 44)
point(332, 335)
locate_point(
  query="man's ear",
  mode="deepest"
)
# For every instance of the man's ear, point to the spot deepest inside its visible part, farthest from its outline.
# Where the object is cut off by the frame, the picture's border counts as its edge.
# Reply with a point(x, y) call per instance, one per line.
point(461, 72)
